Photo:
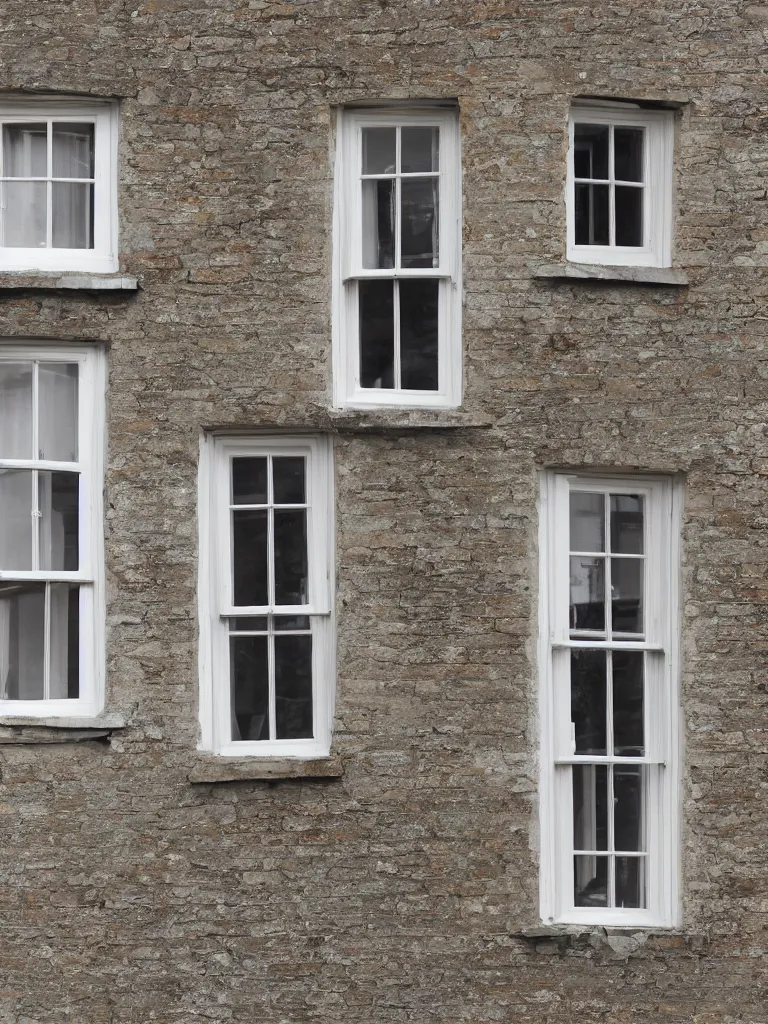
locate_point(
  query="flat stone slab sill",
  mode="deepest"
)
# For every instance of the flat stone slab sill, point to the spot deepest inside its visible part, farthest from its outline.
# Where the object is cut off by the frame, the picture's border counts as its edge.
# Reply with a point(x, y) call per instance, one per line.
point(70, 282)
point(625, 275)
point(241, 769)
point(18, 729)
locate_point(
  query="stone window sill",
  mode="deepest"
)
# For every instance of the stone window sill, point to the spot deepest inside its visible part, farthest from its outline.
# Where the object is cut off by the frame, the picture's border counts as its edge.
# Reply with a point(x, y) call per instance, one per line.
point(211, 769)
point(17, 729)
point(621, 941)
point(22, 280)
point(625, 275)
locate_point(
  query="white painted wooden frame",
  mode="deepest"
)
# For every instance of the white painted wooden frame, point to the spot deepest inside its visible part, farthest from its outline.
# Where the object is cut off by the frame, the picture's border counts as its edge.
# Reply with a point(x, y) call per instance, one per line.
point(215, 591)
point(658, 150)
point(103, 257)
point(91, 437)
point(348, 267)
point(663, 740)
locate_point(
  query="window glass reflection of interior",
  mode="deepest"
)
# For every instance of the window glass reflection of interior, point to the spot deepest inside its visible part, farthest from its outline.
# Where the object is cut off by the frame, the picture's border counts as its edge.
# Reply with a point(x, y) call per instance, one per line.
point(608, 185)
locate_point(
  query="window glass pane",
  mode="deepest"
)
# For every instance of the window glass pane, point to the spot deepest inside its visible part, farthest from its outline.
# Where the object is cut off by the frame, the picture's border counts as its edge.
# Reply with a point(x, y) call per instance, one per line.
point(24, 214)
point(293, 687)
point(248, 624)
point(249, 481)
point(419, 150)
point(628, 730)
point(377, 334)
point(64, 641)
point(630, 882)
point(379, 224)
point(15, 410)
point(57, 430)
point(587, 519)
point(249, 556)
point(72, 216)
point(419, 224)
point(628, 154)
point(587, 609)
point(590, 807)
point(25, 150)
point(291, 583)
point(592, 220)
point(627, 524)
point(590, 151)
point(627, 595)
point(379, 150)
point(72, 150)
point(249, 679)
point(291, 622)
point(22, 641)
point(58, 501)
point(16, 519)
point(628, 791)
point(590, 881)
point(588, 701)
point(288, 480)
point(629, 215)
point(418, 334)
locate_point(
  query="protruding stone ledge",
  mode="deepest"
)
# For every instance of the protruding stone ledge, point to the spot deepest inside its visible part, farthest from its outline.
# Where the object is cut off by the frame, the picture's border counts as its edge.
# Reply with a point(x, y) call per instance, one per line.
point(26, 730)
point(10, 281)
point(623, 275)
point(211, 769)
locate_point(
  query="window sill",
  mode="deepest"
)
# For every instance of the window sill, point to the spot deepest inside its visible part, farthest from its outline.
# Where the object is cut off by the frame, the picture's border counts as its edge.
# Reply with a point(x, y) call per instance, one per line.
point(60, 281)
point(626, 275)
point(387, 418)
point(211, 769)
point(23, 729)
point(620, 941)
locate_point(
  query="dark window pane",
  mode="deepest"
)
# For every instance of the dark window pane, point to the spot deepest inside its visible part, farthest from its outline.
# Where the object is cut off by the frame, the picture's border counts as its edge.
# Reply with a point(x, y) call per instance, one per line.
point(291, 584)
point(72, 146)
point(628, 731)
point(629, 831)
point(16, 519)
point(377, 334)
point(379, 150)
point(588, 701)
point(248, 624)
point(249, 556)
point(627, 524)
point(58, 497)
point(590, 151)
point(293, 687)
point(249, 675)
point(64, 640)
point(627, 595)
point(590, 807)
point(419, 246)
point(592, 223)
point(419, 304)
point(288, 480)
point(291, 622)
point(379, 224)
point(249, 481)
point(587, 609)
point(419, 150)
point(72, 216)
point(15, 410)
point(630, 882)
point(590, 881)
point(587, 520)
point(22, 641)
point(628, 154)
point(629, 215)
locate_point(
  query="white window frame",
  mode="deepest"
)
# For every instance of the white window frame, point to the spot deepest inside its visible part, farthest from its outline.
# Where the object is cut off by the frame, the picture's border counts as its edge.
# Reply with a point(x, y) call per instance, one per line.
point(215, 591)
point(90, 574)
point(657, 177)
point(663, 740)
point(103, 258)
point(348, 267)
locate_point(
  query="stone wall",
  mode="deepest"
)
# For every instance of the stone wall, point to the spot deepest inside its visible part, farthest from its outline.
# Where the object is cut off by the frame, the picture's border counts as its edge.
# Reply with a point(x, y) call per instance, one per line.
point(406, 890)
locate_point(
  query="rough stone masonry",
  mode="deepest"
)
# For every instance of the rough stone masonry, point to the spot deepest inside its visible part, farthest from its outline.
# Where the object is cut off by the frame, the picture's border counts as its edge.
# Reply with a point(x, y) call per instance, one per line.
point(405, 890)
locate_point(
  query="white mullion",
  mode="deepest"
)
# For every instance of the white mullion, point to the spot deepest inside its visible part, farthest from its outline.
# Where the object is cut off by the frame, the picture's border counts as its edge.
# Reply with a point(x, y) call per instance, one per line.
point(611, 191)
point(47, 644)
point(609, 772)
point(49, 187)
point(35, 510)
point(397, 363)
point(272, 697)
point(607, 570)
point(270, 535)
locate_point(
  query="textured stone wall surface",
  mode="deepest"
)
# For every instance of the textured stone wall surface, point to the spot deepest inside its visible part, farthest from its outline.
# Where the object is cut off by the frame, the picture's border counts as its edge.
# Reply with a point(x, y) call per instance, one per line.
point(406, 890)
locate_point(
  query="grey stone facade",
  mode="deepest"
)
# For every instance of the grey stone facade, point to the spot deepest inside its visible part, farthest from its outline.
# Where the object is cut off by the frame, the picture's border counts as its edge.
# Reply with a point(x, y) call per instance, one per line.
point(405, 889)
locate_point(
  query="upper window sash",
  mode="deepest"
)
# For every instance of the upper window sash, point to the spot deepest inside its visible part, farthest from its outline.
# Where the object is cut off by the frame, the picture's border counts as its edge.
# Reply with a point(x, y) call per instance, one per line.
point(315, 453)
